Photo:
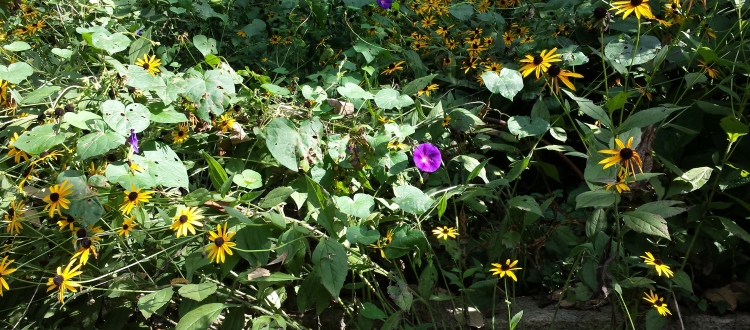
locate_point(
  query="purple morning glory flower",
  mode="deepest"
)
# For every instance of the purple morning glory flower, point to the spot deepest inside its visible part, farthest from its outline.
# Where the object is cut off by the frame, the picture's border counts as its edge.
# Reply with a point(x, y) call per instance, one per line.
point(427, 157)
point(133, 140)
point(385, 4)
point(138, 32)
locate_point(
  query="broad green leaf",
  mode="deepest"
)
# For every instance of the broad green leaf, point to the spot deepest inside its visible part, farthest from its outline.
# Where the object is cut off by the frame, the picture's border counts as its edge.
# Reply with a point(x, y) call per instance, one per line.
point(16, 72)
point(683, 280)
point(589, 108)
point(200, 318)
point(695, 178)
point(353, 91)
point(391, 98)
point(734, 128)
point(647, 117)
point(281, 140)
point(276, 89)
point(412, 200)
point(515, 320)
point(526, 203)
point(276, 196)
point(473, 166)
point(17, 46)
point(64, 53)
point(695, 78)
point(39, 94)
point(141, 46)
point(82, 119)
point(197, 292)
point(596, 222)
point(330, 260)
point(621, 51)
point(735, 229)
point(663, 208)
point(216, 173)
point(523, 126)
point(219, 87)
point(256, 27)
point(113, 43)
point(153, 301)
point(463, 120)
point(141, 79)
point(84, 203)
point(255, 238)
point(401, 294)
point(361, 235)
point(416, 85)
point(361, 206)
point(164, 165)
point(235, 319)
point(370, 311)
point(462, 11)
point(597, 198)
point(98, 143)
point(428, 279)
point(123, 118)
point(40, 139)
point(508, 83)
point(248, 179)
point(205, 45)
point(654, 321)
point(647, 223)
point(404, 241)
point(369, 52)
point(119, 172)
point(166, 115)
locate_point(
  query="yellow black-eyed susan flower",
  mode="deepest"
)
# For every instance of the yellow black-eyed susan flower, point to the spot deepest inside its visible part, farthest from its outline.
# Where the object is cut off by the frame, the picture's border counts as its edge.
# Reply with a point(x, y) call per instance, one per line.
point(181, 134)
point(380, 245)
point(127, 227)
point(658, 303)
point(275, 39)
point(508, 38)
point(451, 44)
point(539, 63)
point(14, 152)
point(91, 232)
point(445, 232)
point(494, 67)
point(4, 271)
point(150, 64)
point(46, 156)
point(627, 7)
point(620, 185)
point(65, 221)
point(221, 245)
point(447, 119)
point(527, 39)
point(56, 199)
point(659, 266)
point(557, 74)
point(394, 145)
point(506, 269)
point(133, 198)
point(225, 122)
point(393, 67)
point(428, 89)
point(186, 220)
point(86, 246)
point(626, 156)
point(707, 68)
point(133, 166)
point(242, 34)
point(13, 216)
point(62, 281)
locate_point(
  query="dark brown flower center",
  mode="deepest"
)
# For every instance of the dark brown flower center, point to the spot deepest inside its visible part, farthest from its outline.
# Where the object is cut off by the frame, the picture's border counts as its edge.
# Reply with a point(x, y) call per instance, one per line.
point(54, 197)
point(125, 226)
point(86, 243)
point(538, 60)
point(391, 66)
point(133, 196)
point(600, 12)
point(674, 6)
point(219, 241)
point(81, 233)
point(658, 262)
point(180, 133)
point(183, 218)
point(636, 3)
point(145, 66)
point(505, 268)
point(626, 153)
point(553, 70)
point(11, 213)
point(658, 303)
point(58, 280)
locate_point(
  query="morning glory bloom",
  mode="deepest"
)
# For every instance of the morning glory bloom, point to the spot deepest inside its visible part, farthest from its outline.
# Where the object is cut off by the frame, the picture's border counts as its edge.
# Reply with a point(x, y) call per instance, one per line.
point(133, 140)
point(427, 157)
point(385, 4)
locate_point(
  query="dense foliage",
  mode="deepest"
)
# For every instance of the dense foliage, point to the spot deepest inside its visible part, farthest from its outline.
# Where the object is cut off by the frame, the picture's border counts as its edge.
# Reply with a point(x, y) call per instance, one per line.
point(405, 164)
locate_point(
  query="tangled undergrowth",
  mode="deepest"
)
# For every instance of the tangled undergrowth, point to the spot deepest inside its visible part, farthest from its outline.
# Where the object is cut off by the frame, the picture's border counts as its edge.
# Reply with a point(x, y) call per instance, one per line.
point(235, 164)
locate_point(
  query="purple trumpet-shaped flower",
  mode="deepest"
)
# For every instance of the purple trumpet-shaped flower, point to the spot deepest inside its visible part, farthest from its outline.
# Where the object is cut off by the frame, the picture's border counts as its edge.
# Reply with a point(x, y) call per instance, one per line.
point(427, 157)
point(385, 4)
point(133, 140)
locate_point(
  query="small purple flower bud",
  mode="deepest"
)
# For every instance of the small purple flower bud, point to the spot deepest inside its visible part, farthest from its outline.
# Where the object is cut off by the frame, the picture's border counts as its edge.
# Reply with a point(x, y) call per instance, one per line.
point(138, 32)
point(385, 4)
point(133, 140)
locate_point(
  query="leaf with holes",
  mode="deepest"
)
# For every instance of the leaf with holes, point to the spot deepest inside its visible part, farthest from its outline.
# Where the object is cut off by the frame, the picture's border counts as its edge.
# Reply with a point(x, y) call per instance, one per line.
point(164, 165)
point(83, 202)
point(331, 262)
point(114, 43)
point(122, 119)
point(40, 139)
point(97, 143)
point(621, 51)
